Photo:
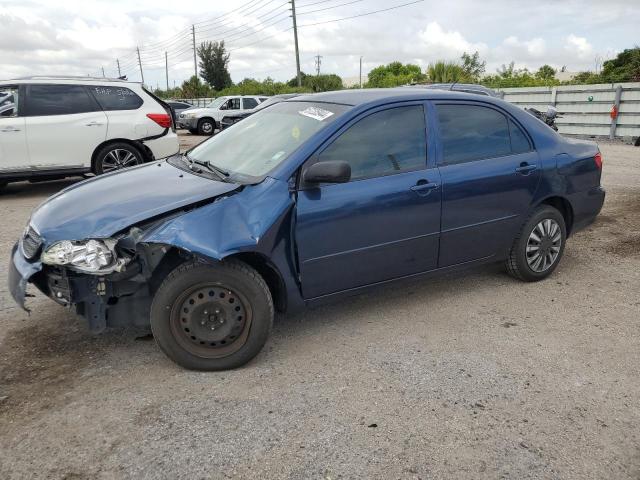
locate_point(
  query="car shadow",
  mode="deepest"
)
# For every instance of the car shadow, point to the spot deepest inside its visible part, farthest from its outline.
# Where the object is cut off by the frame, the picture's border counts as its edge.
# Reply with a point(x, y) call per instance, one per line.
point(25, 190)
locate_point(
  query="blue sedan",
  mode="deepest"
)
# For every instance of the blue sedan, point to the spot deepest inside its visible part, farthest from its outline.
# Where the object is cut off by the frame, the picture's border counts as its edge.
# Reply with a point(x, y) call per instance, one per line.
point(309, 200)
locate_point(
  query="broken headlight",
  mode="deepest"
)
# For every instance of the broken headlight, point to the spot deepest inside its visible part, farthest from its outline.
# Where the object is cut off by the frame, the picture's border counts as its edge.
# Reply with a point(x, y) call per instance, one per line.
point(89, 256)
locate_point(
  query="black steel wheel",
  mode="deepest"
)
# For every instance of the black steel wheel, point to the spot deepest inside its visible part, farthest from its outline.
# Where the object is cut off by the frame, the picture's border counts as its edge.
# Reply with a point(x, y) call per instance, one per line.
point(206, 126)
point(117, 156)
point(538, 248)
point(212, 317)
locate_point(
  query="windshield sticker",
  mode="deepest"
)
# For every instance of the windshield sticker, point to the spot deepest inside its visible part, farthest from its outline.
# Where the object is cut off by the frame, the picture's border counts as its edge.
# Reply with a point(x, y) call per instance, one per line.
point(316, 113)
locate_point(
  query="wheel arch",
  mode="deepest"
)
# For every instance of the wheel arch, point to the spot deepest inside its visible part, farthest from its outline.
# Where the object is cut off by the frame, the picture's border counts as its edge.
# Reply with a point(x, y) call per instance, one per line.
point(170, 257)
point(146, 152)
point(563, 206)
point(208, 117)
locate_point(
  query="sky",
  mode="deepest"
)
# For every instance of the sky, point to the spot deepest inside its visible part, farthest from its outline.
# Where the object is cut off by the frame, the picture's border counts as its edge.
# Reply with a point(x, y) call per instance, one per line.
point(40, 37)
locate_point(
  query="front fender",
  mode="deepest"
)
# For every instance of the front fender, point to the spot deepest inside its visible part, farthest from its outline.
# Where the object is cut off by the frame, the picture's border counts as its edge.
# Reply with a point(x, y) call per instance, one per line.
point(257, 219)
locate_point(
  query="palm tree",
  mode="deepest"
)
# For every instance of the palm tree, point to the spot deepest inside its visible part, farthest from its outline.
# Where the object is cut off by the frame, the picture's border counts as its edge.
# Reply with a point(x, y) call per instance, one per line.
point(445, 72)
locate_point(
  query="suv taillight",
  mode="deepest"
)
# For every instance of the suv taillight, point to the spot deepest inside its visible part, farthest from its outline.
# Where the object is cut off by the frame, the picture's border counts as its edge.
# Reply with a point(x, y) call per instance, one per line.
point(162, 119)
point(598, 160)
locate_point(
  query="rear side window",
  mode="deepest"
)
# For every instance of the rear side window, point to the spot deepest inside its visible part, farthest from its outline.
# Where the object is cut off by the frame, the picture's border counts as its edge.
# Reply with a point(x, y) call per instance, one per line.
point(470, 132)
point(116, 98)
point(519, 141)
point(59, 100)
point(249, 103)
point(384, 143)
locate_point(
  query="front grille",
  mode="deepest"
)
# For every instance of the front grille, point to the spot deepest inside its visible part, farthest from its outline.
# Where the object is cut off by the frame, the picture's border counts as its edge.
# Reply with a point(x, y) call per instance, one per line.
point(31, 243)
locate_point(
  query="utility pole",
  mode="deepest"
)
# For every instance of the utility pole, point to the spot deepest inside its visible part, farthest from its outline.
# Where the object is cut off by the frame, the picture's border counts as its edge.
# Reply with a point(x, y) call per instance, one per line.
point(118, 63)
point(140, 63)
point(295, 37)
point(166, 68)
point(318, 62)
point(360, 71)
point(195, 63)
point(102, 72)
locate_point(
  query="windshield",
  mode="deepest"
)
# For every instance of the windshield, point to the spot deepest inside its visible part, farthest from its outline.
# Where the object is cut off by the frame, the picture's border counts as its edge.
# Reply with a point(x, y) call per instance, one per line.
point(217, 102)
point(262, 141)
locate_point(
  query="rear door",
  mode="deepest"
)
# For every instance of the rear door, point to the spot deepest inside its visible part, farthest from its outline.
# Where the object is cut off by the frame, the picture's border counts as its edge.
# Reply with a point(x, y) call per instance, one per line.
point(489, 172)
point(13, 139)
point(385, 222)
point(64, 125)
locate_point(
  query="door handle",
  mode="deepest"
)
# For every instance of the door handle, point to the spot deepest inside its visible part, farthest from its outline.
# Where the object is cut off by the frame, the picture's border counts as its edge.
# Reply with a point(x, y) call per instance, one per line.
point(424, 187)
point(10, 129)
point(94, 124)
point(525, 168)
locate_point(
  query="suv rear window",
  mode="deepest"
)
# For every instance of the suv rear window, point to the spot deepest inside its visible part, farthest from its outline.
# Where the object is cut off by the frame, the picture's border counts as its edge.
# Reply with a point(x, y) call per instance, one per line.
point(58, 100)
point(116, 98)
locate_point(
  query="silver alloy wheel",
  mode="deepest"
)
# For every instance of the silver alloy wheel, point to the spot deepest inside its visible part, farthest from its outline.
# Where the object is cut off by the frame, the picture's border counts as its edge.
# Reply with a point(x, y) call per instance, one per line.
point(117, 159)
point(543, 245)
point(207, 127)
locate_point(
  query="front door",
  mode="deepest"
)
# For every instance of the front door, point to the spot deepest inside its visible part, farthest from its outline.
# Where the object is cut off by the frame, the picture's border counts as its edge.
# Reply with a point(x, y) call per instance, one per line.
point(489, 172)
point(382, 224)
point(13, 141)
point(64, 125)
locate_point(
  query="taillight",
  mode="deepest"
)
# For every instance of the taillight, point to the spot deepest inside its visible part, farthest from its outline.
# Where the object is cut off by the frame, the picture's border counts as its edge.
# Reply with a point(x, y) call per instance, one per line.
point(598, 160)
point(162, 119)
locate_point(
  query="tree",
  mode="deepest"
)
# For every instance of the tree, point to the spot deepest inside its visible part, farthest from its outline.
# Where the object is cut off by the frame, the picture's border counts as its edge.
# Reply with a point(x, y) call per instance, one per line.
point(294, 81)
point(546, 72)
point(323, 83)
point(624, 68)
point(194, 88)
point(214, 63)
point(445, 72)
point(472, 66)
point(394, 74)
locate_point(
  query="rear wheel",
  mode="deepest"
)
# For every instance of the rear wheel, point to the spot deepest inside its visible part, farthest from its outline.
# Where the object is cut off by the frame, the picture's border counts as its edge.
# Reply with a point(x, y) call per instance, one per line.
point(117, 156)
point(212, 317)
point(206, 126)
point(537, 250)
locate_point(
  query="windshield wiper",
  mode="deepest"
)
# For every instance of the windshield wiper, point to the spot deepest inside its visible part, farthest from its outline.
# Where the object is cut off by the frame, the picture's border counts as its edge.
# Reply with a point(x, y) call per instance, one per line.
point(220, 173)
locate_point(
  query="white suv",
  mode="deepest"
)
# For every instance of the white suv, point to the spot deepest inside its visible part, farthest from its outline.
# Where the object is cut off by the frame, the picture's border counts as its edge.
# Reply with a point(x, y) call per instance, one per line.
point(53, 127)
point(205, 121)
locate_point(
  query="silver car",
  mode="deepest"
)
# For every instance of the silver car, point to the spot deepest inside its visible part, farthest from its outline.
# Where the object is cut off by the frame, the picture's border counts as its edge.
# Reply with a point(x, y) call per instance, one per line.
point(205, 121)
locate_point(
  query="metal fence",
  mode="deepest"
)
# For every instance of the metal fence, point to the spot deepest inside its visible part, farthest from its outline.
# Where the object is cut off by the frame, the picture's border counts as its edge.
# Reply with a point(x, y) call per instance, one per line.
point(586, 109)
point(197, 102)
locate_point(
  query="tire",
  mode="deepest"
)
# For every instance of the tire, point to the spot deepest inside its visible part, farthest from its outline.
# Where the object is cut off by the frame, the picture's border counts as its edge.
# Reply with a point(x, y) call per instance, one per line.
point(206, 126)
point(544, 223)
point(196, 299)
point(2, 186)
point(116, 156)
point(193, 131)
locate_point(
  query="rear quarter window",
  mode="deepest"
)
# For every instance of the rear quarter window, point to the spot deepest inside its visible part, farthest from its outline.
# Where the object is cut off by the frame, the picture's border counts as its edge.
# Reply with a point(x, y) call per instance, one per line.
point(116, 98)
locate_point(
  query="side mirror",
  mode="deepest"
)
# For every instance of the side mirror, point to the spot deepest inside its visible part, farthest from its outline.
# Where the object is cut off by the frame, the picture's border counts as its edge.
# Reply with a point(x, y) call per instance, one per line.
point(335, 171)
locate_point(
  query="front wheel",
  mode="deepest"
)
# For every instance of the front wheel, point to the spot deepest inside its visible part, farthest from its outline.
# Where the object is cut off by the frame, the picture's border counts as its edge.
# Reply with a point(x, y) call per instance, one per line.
point(537, 250)
point(206, 126)
point(117, 156)
point(212, 317)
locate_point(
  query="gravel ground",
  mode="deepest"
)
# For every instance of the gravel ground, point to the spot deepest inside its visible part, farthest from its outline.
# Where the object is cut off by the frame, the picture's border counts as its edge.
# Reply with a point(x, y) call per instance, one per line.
point(467, 376)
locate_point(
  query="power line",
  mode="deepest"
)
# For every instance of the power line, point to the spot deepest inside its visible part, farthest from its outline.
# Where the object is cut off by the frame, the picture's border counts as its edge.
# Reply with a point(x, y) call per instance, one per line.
point(329, 8)
point(361, 14)
point(316, 3)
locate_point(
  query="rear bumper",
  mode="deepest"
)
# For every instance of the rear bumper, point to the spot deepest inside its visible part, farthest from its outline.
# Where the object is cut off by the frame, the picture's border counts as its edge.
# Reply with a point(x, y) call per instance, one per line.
point(586, 207)
point(164, 146)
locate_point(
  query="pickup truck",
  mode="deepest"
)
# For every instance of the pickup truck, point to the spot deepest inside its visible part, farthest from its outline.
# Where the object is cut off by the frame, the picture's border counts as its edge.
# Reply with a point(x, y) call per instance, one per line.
point(206, 120)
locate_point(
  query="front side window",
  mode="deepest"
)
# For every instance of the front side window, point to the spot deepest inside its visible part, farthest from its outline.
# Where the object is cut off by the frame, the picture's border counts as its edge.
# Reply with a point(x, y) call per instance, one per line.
point(9, 100)
point(264, 140)
point(45, 100)
point(473, 132)
point(233, 104)
point(116, 98)
point(383, 143)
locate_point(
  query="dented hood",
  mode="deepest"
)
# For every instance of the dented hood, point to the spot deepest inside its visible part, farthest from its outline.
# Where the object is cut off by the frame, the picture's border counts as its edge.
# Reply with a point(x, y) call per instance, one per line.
point(103, 206)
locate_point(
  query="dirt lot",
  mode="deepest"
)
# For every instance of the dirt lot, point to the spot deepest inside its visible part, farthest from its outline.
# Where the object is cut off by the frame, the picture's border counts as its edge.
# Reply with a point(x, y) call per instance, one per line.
point(468, 376)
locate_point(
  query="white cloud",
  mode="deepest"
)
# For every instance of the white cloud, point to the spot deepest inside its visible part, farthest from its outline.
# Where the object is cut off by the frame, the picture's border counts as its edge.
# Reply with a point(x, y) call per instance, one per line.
point(579, 46)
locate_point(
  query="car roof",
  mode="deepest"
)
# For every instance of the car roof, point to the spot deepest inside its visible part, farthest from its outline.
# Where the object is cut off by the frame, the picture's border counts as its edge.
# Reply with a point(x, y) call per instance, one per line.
point(72, 80)
point(355, 97)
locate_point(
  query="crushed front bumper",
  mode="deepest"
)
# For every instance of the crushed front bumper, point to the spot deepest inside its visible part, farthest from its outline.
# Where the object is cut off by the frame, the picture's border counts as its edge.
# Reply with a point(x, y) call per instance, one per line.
point(20, 272)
